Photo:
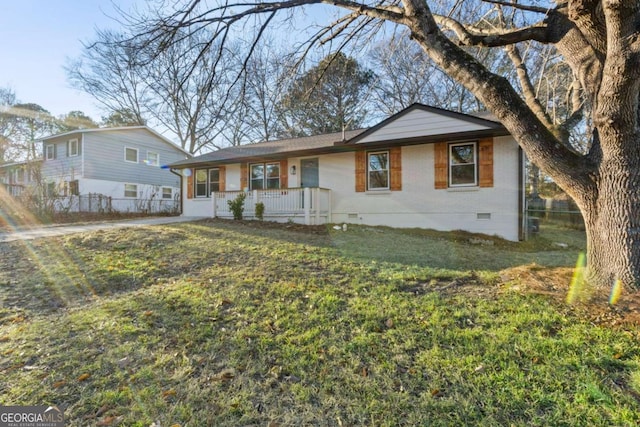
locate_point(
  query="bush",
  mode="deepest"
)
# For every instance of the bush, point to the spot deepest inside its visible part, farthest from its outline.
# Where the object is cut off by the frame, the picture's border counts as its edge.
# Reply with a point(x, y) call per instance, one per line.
point(260, 211)
point(237, 205)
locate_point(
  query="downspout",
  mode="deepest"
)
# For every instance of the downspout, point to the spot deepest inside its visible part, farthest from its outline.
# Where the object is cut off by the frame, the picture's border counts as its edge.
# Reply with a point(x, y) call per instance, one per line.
point(174, 171)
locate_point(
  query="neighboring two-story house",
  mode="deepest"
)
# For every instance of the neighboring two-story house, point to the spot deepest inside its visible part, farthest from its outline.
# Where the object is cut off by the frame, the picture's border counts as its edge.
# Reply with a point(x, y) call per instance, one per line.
point(122, 165)
point(16, 176)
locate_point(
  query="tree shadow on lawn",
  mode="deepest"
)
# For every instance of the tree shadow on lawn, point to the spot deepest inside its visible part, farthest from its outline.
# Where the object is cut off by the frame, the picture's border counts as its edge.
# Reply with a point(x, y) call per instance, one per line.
point(457, 250)
point(46, 275)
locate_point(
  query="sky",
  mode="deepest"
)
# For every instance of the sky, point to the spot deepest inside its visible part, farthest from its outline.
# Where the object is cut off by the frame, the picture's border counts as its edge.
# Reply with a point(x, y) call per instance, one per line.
point(37, 37)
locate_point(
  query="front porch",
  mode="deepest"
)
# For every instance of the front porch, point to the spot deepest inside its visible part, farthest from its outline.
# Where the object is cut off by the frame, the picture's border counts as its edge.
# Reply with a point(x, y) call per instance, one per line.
point(310, 206)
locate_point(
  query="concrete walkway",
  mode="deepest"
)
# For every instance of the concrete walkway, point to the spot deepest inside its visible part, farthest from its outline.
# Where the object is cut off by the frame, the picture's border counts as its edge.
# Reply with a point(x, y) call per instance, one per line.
point(29, 233)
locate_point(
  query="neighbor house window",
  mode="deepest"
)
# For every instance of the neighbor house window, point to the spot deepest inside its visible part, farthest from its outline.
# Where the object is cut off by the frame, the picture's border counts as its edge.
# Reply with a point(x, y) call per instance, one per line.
point(130, 190)
point(50, 152)
point(73, 147)
point(153, 159)
point(265, 175)
point(207, 181)
point(167, 193)
point(378, 170)
point(51, 189)
point(131, 155)
point(463, 164)
point(74, 188)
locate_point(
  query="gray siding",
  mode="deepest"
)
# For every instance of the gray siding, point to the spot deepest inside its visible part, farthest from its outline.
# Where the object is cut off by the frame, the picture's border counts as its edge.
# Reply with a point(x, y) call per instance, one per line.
point(104, 157)
point(63, 165)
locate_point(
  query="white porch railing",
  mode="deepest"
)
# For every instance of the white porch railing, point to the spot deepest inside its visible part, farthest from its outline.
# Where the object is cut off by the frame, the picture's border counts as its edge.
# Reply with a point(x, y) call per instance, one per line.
point(302, 205)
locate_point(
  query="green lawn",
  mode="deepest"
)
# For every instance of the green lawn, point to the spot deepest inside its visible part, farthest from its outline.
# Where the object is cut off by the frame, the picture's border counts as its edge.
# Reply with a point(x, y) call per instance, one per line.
point(226, 324)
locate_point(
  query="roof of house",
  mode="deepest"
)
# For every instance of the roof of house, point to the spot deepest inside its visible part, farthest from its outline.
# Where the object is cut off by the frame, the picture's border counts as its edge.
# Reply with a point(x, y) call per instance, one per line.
point(19, 163)
point(340, 142)
point(262, 150)
point(118, 129)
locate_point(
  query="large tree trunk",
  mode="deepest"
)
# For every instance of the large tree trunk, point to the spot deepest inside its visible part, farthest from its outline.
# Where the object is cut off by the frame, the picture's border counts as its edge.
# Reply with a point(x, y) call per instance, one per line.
point(612, 220)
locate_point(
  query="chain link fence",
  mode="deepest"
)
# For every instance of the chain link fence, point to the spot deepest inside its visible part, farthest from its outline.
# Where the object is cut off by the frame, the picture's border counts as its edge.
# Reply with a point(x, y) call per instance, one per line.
point(99, 203)
point(560, 211)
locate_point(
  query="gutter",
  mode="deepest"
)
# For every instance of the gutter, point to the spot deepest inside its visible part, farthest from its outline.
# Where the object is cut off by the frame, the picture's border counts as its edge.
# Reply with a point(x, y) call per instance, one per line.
point(173, 171)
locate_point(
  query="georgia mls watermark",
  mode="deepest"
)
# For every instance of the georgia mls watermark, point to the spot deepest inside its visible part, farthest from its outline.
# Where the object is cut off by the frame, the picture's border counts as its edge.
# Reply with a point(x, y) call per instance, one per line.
point(31, 416)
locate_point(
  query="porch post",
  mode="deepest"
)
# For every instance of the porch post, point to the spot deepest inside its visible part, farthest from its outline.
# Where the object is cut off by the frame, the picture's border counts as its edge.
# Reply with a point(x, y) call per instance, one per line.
point(255, 201)
point(307, 206)
point(316, 204)
point(213, 200)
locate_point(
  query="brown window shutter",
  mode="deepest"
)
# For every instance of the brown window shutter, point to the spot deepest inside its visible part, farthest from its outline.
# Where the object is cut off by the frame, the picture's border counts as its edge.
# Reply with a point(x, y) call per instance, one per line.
point(190, 183)
point(223, 177)
point(441, 165)
point(243, 176)
point(485, 160)
point(395, 161)
point(361, 171)
point(284, 173)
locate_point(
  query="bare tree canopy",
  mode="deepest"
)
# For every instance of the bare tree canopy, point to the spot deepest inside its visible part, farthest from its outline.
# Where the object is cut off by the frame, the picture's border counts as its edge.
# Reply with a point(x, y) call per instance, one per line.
point(405, 76)
point(181, 87)
point(597, 40)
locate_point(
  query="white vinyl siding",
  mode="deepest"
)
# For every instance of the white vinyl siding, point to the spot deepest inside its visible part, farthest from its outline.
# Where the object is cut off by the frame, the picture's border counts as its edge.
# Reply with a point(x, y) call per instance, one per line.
point(412, 125)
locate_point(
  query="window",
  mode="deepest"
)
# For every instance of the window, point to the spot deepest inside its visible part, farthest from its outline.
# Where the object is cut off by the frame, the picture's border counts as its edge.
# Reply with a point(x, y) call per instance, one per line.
point(130, 190)
point(74, 188)
point(51, 189)
point(153, 159)
point(50, 152)
point(130, 155)
point(265, 175)
point(73, 148)
point(462, 165)
point(207, 181)
point(378, 170)
point(167, 193)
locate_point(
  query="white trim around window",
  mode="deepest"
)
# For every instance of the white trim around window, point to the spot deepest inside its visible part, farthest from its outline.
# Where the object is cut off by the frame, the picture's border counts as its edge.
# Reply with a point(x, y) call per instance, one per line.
point(153, 158)
point(378, 176)
point(131, 190)
point(264, 176)
point(129, 154)
point(463, 164)
point(167, 193)
point(206, 181)
point(74, 148)
point(50, 152)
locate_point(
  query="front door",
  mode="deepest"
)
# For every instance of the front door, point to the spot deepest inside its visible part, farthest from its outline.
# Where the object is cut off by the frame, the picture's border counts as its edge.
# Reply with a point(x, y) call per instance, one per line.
point(309, 176)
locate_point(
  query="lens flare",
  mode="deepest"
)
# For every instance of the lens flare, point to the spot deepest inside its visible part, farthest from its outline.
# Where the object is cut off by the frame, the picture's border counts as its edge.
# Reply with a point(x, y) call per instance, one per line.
point(616, 292)
point(578, 283)
point(57, 265)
